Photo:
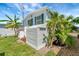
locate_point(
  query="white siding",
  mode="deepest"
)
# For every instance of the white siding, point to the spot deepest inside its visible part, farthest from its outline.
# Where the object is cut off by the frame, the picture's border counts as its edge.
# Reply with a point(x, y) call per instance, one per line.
point(35, 14)
point(35, 36)
point(33, 33)
point(31, 36)
point(40, 41)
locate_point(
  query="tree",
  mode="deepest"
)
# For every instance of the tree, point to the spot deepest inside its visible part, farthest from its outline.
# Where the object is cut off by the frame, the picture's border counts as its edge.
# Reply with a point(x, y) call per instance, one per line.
point(22, 11)
point(64, 27)
point(76, 20)
point(58, 26)
point(51, 28)
point(13, 23)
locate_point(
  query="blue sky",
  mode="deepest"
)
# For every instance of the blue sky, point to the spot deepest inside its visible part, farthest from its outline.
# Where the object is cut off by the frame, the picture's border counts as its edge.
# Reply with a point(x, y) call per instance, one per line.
point(14, 8)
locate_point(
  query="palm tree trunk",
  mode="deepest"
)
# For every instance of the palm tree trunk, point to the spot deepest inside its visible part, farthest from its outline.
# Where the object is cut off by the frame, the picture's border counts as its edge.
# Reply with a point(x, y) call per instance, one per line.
point(53, 35)
point(15, 31)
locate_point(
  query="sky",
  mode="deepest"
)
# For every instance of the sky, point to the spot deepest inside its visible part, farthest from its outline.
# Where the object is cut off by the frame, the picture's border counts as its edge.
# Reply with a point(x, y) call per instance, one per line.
point(14, 8)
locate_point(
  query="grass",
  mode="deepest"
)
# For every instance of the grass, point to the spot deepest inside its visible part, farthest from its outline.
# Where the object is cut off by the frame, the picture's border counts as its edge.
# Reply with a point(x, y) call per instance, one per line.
point(50, 53)
point(10, 46)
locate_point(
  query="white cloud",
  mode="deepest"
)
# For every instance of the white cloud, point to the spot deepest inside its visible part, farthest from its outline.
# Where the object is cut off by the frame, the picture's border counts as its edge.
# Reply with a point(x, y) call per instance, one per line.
point(27, 8)
point(34, 4)
point(74, 12)
point(17, 5)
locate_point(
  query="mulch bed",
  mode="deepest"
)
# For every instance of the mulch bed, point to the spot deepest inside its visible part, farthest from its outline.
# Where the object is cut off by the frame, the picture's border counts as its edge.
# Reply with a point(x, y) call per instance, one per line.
point(68, 52)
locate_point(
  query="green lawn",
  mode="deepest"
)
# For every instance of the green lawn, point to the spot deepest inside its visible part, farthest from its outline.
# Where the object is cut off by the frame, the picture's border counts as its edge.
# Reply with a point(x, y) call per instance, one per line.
point(10, 46)
point(50, 53)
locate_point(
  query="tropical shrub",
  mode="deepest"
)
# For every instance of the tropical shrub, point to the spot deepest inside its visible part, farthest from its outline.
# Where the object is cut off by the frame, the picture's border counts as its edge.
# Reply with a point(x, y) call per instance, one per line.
point(70, 42)
point(60, 26)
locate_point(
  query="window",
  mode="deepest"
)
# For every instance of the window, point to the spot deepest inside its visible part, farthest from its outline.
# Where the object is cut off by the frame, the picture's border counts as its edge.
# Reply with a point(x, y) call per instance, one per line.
point(39, 19)
point(42, 29)
point(30, 22)
point(42, 18)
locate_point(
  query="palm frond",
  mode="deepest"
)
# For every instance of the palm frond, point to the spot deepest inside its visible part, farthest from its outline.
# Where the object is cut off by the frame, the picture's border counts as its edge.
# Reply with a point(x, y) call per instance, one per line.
point(8, 17)
point(69, 17)
point(9, 25)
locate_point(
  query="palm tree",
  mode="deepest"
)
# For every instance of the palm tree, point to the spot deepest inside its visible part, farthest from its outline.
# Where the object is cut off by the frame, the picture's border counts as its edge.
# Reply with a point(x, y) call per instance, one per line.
point(13, 23)
point(51, 27)
point(63, 28)
point(58, 26)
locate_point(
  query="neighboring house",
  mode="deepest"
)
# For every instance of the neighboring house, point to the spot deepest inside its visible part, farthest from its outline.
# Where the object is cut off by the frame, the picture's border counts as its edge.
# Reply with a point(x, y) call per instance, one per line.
point(35, 27)
point(5, 32)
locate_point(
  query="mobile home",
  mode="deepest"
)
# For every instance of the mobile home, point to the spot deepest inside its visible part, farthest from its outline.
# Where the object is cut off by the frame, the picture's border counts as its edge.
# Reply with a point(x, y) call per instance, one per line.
point(35, 27)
